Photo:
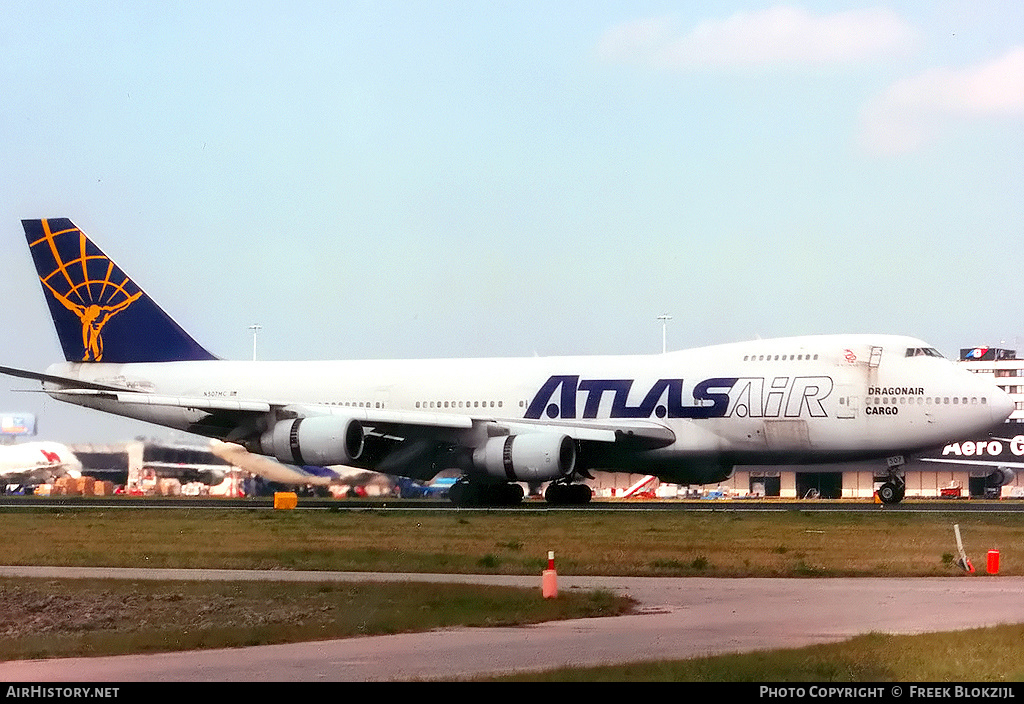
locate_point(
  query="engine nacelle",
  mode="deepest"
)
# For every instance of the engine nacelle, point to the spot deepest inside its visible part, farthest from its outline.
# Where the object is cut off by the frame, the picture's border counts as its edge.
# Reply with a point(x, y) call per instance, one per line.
point(531, 457)
point(319, 441)
point(1000, 477)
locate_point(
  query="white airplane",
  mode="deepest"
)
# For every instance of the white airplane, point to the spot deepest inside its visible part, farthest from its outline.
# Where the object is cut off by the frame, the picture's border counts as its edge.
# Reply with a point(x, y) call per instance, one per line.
point(686, 417)
point(37, 463)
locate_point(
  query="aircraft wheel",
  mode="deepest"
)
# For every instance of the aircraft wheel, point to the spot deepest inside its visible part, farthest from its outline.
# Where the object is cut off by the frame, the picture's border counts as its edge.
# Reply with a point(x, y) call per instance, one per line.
point(487, 494)
point(459, 494)
point(513, 494)
point(560, 494)
point(890, 493)
point(555, 493)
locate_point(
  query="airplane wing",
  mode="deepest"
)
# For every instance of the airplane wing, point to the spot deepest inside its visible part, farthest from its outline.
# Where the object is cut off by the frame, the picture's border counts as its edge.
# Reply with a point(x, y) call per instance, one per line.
point(652, 433)
point(408, 443)
point(983, 463)
point(281, 473)
point(391, 422)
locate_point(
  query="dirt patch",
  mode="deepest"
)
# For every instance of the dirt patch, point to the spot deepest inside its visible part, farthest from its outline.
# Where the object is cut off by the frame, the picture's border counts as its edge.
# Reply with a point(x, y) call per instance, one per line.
point(47, 607)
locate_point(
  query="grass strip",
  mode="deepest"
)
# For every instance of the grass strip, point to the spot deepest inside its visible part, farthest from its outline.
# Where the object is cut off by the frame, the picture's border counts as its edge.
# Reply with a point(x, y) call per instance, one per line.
point(590, 542)
point(978, 655)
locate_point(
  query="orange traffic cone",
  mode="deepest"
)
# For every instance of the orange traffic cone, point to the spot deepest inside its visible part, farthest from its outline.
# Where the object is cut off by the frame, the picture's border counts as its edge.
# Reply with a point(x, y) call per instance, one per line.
point(993, 562)
point(549, 579)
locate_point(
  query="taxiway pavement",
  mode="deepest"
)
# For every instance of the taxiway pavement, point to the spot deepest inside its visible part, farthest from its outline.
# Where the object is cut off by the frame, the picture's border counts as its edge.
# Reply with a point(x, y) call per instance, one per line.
point(679, 618)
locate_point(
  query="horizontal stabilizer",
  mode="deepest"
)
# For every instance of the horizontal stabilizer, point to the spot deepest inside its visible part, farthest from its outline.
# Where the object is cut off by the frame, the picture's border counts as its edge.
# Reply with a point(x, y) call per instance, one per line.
point(63, 381)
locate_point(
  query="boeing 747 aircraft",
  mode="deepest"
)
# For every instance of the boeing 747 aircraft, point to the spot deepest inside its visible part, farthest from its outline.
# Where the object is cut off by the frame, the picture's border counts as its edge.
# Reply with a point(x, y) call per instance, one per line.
point(687, 417)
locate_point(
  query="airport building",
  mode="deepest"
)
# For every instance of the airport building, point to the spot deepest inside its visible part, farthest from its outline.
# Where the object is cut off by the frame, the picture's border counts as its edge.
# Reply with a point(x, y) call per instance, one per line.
point(155, 467)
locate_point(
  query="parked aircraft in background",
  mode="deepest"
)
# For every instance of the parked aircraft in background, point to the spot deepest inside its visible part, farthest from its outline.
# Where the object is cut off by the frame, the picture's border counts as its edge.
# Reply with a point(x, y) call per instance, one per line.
point(1001, 458)
point(37, 463)
point(686, 417)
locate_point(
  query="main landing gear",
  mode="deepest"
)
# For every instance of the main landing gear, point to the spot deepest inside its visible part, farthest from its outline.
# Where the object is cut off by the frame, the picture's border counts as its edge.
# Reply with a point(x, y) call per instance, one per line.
point(467, 492)
point(563, 493)
point(894, 488)
point(475, 492)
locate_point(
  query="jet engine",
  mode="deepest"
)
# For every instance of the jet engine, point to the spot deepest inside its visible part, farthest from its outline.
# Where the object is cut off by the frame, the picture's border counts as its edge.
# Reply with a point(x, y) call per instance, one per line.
point(531, 457)
point(1000, 477)
point(319, 441)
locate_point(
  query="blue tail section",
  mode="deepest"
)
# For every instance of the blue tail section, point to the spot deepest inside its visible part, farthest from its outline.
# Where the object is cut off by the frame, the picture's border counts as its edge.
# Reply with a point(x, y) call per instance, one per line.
point(100, 314)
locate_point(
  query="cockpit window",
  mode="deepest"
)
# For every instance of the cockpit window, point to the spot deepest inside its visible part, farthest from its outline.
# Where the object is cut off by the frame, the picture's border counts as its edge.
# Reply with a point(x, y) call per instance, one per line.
point(923, 352)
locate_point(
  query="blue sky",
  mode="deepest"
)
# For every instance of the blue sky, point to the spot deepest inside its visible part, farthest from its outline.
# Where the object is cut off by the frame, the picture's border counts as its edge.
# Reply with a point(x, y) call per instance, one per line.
point(447, 179)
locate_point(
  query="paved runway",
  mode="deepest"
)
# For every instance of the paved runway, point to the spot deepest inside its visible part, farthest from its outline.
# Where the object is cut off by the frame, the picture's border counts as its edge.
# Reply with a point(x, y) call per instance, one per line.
point(773, 505)
point(680, 618)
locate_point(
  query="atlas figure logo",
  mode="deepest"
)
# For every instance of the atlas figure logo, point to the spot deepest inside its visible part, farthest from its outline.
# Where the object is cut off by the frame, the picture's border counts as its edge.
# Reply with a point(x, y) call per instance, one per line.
point(93, 318)
point(86, 283)
point(718, 397)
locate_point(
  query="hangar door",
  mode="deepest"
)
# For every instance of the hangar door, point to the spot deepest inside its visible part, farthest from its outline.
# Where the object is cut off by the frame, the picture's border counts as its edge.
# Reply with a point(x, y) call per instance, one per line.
point(819, 485)
point(766, 484)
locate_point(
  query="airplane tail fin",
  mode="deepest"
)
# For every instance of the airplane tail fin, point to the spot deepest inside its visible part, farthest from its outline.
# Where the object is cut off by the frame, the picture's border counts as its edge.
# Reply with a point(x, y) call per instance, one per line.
point(100, 314)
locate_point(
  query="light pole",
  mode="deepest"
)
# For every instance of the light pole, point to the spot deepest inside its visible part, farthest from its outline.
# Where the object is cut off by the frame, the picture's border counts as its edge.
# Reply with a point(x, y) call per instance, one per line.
point(664, 324)
point(255, 329)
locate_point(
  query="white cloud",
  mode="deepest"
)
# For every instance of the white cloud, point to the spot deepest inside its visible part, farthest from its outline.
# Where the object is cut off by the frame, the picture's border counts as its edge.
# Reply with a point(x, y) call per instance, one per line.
point(779, 36)
point(917, 109)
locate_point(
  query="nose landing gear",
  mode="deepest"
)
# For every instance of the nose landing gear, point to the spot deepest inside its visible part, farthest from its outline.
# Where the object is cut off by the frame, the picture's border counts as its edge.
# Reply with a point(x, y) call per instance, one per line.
point(894, 488)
